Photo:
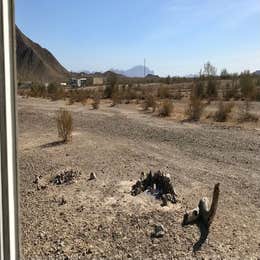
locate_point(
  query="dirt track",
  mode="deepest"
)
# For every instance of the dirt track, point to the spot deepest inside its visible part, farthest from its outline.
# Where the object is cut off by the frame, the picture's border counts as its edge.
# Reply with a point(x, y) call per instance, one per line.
point(101, 218)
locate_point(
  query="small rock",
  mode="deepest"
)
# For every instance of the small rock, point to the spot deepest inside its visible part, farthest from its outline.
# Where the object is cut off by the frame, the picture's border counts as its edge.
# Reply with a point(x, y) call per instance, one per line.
point(80, 209)
point(42, 235)
point(62, 201)
point(159, 231)
point(92, 176)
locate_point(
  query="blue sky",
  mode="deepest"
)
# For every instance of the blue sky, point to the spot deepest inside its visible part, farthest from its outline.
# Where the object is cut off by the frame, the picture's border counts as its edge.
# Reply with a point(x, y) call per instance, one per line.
point(175, 36)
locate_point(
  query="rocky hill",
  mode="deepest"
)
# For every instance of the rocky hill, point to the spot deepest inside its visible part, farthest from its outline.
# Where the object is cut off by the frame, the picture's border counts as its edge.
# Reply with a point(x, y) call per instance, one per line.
point(35, 63)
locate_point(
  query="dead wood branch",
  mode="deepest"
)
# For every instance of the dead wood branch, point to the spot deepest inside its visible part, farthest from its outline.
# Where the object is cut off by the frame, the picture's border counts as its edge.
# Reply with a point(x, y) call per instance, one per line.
point(203, 216)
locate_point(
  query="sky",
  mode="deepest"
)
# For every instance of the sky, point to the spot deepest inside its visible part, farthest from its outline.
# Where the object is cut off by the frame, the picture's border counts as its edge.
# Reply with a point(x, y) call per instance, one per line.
point(176, 37)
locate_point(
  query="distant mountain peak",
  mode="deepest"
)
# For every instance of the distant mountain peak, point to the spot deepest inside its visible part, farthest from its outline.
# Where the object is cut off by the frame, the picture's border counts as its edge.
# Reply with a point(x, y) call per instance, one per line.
point(136, 71)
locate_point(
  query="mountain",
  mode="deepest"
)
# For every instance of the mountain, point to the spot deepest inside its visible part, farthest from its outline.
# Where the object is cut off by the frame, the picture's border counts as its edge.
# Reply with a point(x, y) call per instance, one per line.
point(257, 72)
point(35, 63)
point(137, 71)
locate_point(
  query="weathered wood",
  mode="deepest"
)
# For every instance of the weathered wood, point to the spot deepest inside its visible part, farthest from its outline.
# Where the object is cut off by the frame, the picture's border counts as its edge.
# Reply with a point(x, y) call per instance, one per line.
point(203, 217)
point(159, 182)
point(203, 213)
point(214, 204)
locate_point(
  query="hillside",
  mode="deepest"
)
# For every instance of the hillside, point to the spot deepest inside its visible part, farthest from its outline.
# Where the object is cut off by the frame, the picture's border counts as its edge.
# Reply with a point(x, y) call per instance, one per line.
point(35, 63)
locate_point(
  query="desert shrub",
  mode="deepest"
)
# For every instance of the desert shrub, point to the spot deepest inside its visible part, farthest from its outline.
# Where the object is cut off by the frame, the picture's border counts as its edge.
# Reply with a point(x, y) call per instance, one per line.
point(211, 89)
point(64, 124)
point(257, 96)
point(245, 115)
point(58, 94)
point(79, 95)
point(22, 92)
point(231, 92)
point(149, 102)
point(209, 70)
point(168, 80)
point(198, 89)
point(178, 94)
point(108, 92)
point(117, 96)
point(223, 111)
point(37, 91)
point(165, 108)
point(258, 82)
point(224, 74)
point(195, 108)
point(111, 85)
point(247, 85)
point(96, 100)
point(163, 92)
point(52, 88)
point(130, 93)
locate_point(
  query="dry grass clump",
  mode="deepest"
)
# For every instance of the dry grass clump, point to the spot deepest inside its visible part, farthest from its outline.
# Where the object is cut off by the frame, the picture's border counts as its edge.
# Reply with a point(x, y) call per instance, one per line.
point(223, 111)
point(64, 124)
point(79, 95)
point(58, 94)
point(245, 115)
point(23, 92)
point(177, 94)
point(166, 108)
point(163, 92)
point(38, 91)
point(149, 102)
point(194, 109)
point(116, 97)
point(96, 101)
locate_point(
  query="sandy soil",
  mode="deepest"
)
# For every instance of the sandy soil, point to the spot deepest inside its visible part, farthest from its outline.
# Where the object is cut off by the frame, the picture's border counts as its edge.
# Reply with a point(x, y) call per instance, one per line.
point(100, 219)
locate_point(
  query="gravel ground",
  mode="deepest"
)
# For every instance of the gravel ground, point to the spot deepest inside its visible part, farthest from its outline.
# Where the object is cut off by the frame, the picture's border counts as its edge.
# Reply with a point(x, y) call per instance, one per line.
point(99, 219)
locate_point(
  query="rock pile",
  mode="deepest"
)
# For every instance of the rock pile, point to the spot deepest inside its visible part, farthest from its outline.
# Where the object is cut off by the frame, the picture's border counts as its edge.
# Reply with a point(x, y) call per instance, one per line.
point(158, 184)
point(66, 176)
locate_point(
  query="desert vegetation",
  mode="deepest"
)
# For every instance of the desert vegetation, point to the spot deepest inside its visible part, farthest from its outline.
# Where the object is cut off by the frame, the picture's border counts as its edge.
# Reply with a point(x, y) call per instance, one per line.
point(224, 109)
point(244, 113)
point(165, 108)
point(64, 125)
point(190, 129)
point(95, 100)
point(149, 102)
point(159, 95)
point(194, 108)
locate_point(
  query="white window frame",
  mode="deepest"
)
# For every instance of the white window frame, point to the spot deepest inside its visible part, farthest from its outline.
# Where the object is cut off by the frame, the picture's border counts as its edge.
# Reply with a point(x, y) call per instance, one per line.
point(9, 228)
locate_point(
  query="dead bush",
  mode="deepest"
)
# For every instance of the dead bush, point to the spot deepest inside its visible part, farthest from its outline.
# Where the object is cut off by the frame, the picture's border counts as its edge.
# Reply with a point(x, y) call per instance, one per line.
point(247, 85)
point(116, 97)
point(58, 94)
point(211, 89)
point(64, 124)
point(178, 94)
point(149, 102)
point(198, 89)
point(163, 92)
point(245, 115)
point(195, 108)
point(22, 92)
point(166, 108)
point(223, 111)
point(37, 91)
point(79, 95)
point(96, 101)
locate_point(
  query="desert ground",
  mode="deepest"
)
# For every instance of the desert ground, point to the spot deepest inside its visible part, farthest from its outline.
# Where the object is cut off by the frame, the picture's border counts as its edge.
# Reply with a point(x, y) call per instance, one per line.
point(100, 219)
